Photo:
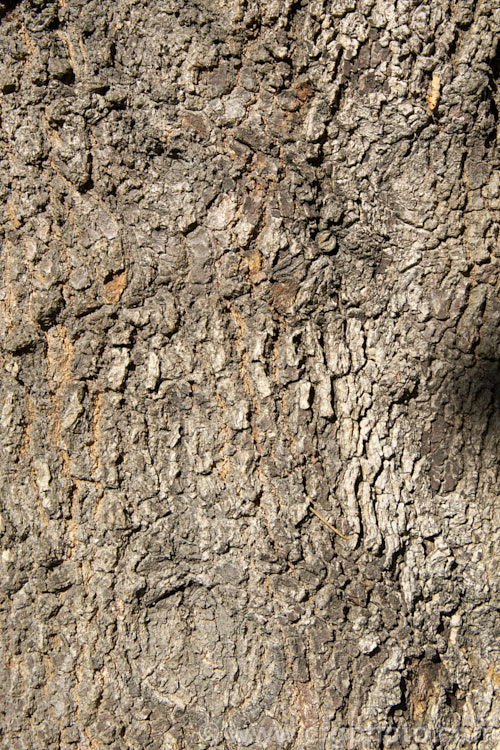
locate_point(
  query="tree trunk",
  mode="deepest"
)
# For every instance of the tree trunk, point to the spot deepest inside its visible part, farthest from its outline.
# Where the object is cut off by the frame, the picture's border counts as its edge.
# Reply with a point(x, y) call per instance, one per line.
point(250, 414)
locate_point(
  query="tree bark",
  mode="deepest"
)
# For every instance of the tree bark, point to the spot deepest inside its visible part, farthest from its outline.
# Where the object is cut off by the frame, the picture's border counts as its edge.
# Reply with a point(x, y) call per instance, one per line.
point(250, 413)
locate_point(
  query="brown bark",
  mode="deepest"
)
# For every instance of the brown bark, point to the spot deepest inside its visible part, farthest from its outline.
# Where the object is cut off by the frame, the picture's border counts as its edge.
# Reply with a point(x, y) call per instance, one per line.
point(249, 347)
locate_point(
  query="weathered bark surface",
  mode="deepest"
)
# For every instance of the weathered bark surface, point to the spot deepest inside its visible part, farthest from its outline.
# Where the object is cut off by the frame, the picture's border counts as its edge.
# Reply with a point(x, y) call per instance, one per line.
point(249, 274)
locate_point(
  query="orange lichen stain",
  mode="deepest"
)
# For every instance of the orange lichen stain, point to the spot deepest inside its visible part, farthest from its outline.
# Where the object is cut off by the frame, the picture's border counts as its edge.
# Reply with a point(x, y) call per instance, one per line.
point(29, 412)
point(97, 409)
point(494, 673)
point(11, 213)
point(223, 469)
point(254, 262)
point(303, 92)
point(23, 33)
point(114, 286)
point(240, 323)
point(434, 92)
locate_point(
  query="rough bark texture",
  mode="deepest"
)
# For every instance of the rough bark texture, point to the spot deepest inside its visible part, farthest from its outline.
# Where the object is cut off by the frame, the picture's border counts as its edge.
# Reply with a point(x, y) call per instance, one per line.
point(249, 275)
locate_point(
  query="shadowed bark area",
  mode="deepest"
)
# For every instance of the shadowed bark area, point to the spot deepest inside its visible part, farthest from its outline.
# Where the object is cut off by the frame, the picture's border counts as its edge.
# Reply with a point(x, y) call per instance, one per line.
point(249, 348)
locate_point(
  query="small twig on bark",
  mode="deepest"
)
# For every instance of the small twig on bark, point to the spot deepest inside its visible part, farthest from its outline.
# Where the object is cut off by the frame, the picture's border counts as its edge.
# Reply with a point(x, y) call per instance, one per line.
point(327, 524)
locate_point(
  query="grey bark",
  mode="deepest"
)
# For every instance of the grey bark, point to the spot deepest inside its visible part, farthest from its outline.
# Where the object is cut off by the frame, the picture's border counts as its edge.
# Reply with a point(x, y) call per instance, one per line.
point(249, 386)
